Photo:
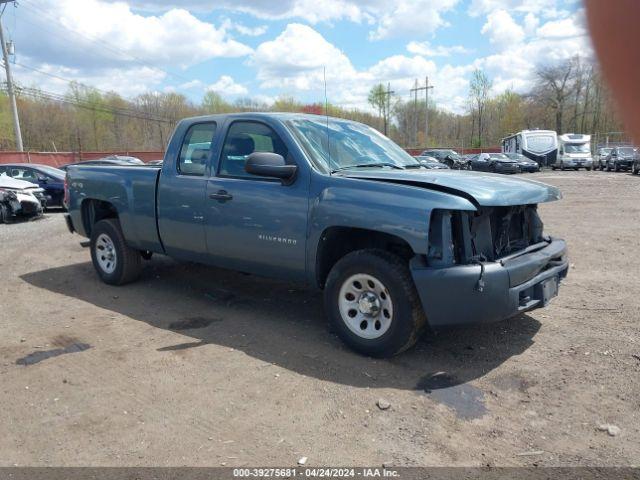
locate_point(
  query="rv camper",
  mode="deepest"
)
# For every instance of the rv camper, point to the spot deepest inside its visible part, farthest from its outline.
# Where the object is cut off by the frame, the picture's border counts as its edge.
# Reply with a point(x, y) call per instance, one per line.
point(540, 146)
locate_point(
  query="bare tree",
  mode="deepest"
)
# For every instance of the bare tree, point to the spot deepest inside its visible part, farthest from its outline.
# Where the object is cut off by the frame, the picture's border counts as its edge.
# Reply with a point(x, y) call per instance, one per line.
point(555, 86)
point(479, 95)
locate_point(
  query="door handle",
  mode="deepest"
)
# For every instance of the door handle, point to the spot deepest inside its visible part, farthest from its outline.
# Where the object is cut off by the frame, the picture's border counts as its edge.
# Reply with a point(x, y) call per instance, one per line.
point(221, 196)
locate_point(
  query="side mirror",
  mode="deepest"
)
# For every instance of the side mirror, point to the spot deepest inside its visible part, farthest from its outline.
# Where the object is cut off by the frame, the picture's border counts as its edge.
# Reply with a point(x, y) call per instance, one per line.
point(266, 164)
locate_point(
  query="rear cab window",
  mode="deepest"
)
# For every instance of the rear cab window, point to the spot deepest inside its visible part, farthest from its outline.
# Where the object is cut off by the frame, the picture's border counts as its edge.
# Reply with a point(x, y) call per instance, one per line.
point(196, 149)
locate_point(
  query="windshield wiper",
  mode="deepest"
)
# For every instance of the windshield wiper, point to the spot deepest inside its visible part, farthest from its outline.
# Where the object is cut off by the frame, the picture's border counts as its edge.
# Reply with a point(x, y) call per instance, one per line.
point(414, 165)
point(366, 165)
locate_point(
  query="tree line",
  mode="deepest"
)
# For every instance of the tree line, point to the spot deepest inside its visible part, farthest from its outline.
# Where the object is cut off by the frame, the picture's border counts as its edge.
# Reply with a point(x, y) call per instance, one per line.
point(567, 96)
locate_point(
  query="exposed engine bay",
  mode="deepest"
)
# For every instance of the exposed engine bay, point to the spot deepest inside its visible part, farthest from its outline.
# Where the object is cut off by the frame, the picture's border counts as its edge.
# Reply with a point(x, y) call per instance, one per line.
point(489, 234)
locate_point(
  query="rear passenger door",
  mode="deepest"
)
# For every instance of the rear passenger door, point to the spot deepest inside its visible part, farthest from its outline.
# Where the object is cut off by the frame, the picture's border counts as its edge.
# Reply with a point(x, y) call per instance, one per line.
point(181, 195)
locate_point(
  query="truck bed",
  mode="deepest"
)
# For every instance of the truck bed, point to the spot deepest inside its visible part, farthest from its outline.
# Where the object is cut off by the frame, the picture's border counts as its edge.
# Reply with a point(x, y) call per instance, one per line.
point(130, 189)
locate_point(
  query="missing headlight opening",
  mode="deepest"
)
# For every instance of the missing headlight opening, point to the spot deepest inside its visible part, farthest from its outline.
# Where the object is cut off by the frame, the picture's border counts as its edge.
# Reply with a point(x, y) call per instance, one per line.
point(489, 234)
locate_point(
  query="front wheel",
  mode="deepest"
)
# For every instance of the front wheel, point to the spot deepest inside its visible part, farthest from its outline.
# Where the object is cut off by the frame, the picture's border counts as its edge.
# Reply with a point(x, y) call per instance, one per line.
point(115, 262)
point(372, 303)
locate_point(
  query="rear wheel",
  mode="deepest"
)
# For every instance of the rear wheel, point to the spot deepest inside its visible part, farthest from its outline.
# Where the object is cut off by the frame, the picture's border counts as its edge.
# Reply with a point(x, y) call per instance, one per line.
point(372, 303)
point(115, 262)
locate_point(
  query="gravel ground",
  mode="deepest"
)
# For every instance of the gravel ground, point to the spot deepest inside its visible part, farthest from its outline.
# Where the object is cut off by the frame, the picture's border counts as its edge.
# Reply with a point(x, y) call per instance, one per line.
point(204, 367)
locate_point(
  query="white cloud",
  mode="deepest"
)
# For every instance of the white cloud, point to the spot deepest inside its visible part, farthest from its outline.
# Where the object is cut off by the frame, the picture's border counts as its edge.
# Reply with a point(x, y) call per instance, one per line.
point(545, 8)
point(427, 50)
point(565, 28)
point(502, 29)
point(243, 29)
point(531, 22)
point(227, 86)
point(119, 36)
point(294, 62)
point(389, 18)
point(410, 17)
point(296, 58)
point(126, 82)
point(515, 66)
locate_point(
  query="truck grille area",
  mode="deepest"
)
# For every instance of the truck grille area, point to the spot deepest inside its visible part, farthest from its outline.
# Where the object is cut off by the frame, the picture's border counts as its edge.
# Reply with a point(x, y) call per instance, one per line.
point(489, 234)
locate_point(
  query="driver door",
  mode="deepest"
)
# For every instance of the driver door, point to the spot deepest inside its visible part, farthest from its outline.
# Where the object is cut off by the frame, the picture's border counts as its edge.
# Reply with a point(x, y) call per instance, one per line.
point(256, 224)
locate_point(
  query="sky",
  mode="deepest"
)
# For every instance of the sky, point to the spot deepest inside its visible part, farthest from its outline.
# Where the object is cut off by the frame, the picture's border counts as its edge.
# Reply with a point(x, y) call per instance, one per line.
point(269, 48)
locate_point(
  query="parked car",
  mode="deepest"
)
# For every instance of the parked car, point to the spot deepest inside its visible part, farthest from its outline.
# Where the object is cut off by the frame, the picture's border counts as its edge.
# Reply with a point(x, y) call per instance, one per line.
point(115, 160)
point(449, 157)
point(620, 158)
point(526, 164)
point(494, 162)
point(50, 179)
point(431, 163)
point(393, 247)
point(20, 199)
point(600, 158)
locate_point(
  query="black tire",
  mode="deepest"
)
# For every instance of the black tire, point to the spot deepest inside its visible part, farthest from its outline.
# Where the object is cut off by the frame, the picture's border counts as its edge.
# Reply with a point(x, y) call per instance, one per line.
point(408, 319)
point(588, 169)
point(128, 261)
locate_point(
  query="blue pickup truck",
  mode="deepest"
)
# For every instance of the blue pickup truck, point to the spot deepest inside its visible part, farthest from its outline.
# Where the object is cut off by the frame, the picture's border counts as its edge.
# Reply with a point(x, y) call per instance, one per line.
point(396, 247)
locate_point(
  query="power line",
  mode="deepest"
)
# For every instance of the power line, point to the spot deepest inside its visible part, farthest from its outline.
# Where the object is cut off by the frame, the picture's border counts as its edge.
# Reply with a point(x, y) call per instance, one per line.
point(41, 94)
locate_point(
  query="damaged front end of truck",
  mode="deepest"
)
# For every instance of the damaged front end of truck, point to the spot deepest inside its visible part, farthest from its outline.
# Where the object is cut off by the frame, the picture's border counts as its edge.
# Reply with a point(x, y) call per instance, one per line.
point(498, 257)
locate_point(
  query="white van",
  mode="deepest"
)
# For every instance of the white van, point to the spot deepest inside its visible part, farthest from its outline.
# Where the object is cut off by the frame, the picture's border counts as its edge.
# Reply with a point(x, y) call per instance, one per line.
point(574, 151)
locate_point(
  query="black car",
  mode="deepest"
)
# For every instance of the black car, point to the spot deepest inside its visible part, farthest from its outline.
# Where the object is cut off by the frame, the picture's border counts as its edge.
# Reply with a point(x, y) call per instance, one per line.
point(449, 157)
point(431, 163)
point(494, 162)
point(120, 160)
point(526, 164)
point(49, 178)
point(621, 158)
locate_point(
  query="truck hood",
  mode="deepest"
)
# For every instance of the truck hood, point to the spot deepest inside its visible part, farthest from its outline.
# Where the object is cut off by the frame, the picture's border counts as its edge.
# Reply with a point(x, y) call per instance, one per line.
point(484, 189)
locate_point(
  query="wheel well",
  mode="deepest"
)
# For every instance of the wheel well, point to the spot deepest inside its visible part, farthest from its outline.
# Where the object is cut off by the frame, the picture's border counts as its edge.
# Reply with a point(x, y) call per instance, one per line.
point(95, 210)
point(336, 242)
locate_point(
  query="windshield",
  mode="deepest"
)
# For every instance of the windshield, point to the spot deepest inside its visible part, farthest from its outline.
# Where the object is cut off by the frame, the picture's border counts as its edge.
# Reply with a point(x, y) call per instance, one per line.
point(498, 156)
point(625, 151)
point(541, 143)
point(577, 148)
point(605, 151)
point(515, 156)
point(337, 144)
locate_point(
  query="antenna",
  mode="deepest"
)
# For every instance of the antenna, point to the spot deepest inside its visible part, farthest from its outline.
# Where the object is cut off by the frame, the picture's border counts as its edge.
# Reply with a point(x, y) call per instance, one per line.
point(326, 114)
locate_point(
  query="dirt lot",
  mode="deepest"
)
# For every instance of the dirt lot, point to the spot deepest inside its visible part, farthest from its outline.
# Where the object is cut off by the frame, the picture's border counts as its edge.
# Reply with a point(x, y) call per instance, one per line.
point(204, 367)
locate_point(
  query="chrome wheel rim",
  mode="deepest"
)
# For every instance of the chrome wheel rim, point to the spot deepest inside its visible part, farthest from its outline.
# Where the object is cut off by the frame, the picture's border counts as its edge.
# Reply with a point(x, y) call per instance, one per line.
point(365, 306)
point(106, 253)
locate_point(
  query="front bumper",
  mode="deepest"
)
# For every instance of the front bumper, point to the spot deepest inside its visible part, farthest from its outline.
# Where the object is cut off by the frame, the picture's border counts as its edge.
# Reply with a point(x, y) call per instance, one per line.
point(450, 296)
point(529, 168)
point(577, 163)
point(624, 163)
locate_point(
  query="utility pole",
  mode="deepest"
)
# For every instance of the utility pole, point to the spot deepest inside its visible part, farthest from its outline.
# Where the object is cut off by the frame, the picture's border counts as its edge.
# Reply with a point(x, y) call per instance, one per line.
point(10, 90)
point(387, 96)
point(414, 91)
point(426, 108)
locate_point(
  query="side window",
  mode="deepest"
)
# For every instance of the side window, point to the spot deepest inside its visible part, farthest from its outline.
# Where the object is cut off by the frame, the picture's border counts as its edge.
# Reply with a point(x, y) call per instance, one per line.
point(244, 138)
point(24, 174)
point(195, 149)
